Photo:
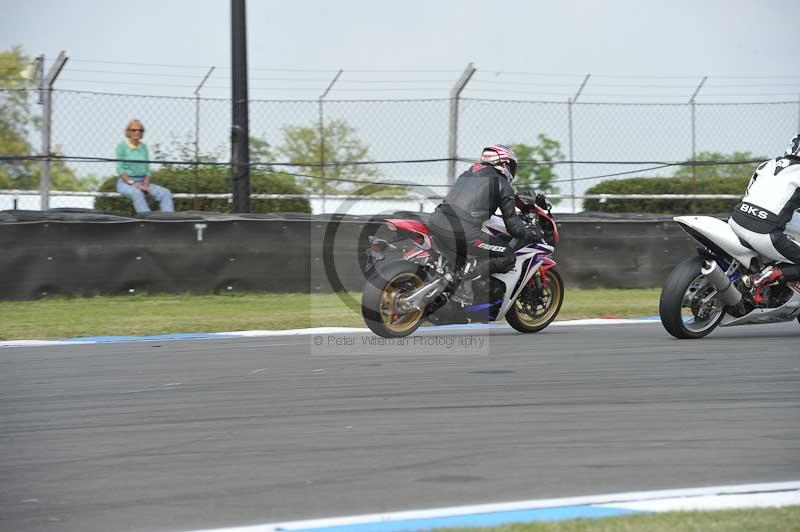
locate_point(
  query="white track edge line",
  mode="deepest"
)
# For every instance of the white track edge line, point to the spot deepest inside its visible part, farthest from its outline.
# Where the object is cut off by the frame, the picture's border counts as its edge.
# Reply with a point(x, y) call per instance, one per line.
point(609, 500)
point(319, 330)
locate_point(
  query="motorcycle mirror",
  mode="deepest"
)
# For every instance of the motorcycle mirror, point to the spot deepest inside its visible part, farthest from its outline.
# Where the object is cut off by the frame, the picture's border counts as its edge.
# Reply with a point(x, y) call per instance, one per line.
point(541, 201)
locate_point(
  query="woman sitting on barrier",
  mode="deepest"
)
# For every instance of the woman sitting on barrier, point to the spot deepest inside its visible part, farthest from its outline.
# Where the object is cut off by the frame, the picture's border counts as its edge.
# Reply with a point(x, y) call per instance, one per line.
point(133, 169)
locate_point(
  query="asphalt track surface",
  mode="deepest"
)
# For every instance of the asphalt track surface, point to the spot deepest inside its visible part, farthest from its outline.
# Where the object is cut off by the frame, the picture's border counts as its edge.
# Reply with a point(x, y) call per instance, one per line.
point(181, 435)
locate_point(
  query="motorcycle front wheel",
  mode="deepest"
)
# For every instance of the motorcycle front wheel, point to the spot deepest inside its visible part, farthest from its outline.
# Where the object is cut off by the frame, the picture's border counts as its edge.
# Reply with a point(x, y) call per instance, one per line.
point(385, 288)
point(534, 310)
point(683, 308)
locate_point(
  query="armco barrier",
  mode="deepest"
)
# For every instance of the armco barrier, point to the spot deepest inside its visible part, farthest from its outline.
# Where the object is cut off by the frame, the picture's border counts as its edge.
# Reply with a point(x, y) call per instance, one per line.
point(88, 253)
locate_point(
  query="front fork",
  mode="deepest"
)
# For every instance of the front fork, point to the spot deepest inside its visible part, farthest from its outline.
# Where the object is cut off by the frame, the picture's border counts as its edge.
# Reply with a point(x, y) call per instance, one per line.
point(540, 278)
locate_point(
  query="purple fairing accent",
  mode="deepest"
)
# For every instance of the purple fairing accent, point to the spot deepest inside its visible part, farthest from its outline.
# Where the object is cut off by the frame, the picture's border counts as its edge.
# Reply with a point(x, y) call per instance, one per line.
point(482, 306)
point(532, 264)
point(527, 249)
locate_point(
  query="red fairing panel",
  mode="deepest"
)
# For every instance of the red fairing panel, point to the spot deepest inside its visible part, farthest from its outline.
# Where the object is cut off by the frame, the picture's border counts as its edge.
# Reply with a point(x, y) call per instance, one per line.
point(413, 226)
point(543, 213)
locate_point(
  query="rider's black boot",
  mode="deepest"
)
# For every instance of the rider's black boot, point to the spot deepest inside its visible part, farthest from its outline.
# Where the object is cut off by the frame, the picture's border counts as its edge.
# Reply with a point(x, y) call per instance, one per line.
point(463, 294)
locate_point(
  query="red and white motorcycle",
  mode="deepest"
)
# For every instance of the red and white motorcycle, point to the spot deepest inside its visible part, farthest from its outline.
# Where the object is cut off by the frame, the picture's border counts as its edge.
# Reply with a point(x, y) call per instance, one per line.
point(417, 284)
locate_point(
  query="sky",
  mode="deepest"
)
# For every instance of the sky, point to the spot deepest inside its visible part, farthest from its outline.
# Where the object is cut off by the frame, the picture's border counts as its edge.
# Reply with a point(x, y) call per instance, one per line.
point(653, 50)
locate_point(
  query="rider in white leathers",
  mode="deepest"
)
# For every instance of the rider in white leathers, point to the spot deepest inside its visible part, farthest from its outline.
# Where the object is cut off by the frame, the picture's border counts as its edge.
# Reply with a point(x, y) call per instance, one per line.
point(769, 205)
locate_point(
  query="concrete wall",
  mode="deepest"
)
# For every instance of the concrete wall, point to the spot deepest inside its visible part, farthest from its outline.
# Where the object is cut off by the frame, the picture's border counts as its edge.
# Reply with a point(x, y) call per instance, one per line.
point(88, 253)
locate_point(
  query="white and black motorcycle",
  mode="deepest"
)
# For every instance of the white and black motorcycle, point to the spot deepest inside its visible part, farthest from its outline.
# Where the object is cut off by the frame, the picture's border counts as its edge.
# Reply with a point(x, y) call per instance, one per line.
point(717, 288)
point(410, 279)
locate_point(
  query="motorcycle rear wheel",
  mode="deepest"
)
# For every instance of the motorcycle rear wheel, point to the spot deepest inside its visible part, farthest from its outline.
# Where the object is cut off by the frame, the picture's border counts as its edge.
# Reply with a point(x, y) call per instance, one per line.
point(379, 302)
point(679, 307)
point(533, 316)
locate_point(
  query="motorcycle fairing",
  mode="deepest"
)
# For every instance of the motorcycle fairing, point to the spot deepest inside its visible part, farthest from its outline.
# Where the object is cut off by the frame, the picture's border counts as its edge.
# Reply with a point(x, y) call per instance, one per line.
point(786, 312)
point(530, 257)
point(721, 234)
point(414, 227)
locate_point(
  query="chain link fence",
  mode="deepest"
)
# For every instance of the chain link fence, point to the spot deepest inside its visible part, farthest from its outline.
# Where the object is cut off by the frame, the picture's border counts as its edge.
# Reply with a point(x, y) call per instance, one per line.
point(407, 140)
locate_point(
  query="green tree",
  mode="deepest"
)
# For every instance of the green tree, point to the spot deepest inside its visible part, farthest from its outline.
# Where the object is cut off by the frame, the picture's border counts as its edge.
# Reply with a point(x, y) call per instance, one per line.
point(261, 153)
point(710, 179)
point(61, 178)
point(182, 148)
point(16, 123)
point(532, 171)
point(15, 115)
point(720, 170)
point(302, 146)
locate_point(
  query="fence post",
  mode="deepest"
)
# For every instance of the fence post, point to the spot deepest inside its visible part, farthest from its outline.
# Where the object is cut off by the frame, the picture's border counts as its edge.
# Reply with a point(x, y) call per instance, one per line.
point(694, 133)
point(46, 87)
point(571, 101)
point(197, 133)
point(571, 156)
point(452, 144)
point(322, 136)
point(240, 128)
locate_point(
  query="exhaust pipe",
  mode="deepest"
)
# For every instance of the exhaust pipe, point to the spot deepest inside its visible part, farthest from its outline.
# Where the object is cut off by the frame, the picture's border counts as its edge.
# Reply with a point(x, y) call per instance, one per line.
point(729, 294)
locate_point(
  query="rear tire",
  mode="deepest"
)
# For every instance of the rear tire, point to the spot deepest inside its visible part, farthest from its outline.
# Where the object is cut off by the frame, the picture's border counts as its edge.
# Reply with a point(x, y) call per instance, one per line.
point(684, 286)
point(528, 318)
point(385, 285)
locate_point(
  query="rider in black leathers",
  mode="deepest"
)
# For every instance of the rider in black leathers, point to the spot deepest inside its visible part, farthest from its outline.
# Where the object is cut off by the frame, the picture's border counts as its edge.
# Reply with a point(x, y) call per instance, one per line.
point(473, 198)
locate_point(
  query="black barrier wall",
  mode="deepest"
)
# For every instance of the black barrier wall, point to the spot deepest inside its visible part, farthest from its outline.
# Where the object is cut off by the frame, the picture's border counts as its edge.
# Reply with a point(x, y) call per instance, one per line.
point(89, 254)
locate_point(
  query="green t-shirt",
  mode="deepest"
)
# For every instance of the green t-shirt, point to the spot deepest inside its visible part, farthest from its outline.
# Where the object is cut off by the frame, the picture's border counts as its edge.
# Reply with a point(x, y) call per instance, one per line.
point(131, 158)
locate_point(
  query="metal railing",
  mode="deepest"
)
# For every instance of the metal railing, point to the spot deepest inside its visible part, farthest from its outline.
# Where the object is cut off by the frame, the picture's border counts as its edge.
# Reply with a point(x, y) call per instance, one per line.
point(354, 204)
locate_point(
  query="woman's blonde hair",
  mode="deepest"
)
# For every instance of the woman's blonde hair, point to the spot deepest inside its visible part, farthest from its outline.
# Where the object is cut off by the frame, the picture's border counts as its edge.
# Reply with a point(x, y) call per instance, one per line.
point(131, 123)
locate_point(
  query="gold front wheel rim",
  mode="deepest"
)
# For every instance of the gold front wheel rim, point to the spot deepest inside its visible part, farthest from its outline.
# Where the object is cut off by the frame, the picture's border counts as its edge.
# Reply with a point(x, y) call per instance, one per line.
point(552, 294)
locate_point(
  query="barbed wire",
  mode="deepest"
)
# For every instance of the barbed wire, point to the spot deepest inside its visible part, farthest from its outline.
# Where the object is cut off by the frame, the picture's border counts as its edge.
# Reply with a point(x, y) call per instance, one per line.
point(695, 76)
point(478, 80)
point(316, 89)
point(269, 69)
point(642, 76)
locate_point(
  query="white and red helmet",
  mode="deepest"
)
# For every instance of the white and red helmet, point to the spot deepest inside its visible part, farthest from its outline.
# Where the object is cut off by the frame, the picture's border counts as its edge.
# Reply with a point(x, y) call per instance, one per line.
point(503, 158)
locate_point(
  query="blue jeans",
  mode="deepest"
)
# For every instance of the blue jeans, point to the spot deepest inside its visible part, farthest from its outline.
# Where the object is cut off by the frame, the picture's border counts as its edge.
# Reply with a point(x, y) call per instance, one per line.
point(162, 195)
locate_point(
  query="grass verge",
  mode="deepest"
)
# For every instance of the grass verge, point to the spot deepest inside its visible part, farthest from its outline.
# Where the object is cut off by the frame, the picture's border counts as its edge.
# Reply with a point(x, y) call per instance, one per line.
point(140, 314)
point(751, 520)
